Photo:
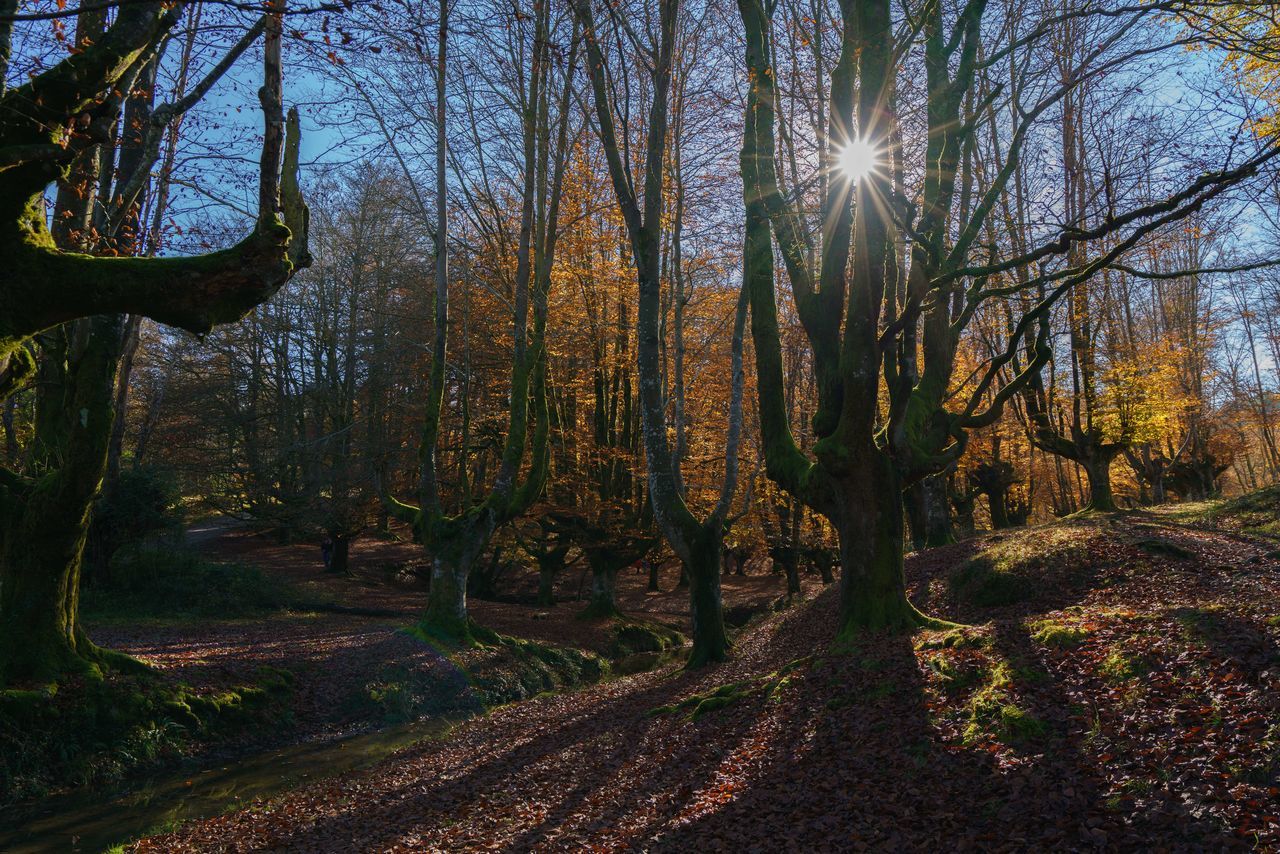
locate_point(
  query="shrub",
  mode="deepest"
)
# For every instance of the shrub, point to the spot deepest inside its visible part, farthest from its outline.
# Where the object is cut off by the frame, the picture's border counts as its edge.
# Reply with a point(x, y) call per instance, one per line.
point(162, 582)
point(144, 502)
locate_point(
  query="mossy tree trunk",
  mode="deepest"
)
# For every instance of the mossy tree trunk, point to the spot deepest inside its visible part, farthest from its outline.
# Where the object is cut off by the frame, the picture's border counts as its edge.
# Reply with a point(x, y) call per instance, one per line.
point(46, 517)
point(66, 129)
point(603, 602)
point(929, 513)
point(456, 541)
point(869, 521)
point(706, 607)
point(550, 564)
point(1098, 472)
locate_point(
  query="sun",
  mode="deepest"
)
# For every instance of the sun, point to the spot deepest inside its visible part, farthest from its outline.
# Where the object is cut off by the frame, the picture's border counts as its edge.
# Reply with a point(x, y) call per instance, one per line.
point(858, 159)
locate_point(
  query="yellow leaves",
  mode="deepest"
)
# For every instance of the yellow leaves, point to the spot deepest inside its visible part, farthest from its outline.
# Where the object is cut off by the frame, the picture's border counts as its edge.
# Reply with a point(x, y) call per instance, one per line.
point(1142, 397)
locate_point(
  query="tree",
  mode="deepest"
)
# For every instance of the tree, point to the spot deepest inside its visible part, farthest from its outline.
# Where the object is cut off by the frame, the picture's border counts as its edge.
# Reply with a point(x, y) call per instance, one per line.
point(61, 125)
point(697, 542)
point(885, 325)
point(457, 540)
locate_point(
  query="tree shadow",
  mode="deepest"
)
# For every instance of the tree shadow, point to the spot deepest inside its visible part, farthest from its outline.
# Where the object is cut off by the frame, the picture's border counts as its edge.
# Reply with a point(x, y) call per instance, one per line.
point(1099, 819)
point(598, 752)
point(866, 763)
point(1244, 643)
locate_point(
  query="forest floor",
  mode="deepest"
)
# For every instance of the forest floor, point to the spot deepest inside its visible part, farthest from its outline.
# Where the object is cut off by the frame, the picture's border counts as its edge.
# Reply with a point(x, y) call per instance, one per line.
point(343, 658)
point(1118, 686)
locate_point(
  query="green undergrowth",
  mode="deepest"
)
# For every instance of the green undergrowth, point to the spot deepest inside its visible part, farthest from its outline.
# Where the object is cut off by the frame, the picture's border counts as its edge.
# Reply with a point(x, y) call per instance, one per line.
point(87, 732)
point(498, 669)
point(164, 583)
point(1256, 513)
point(963, 637)
point(993, 710)
point(1057, 635)
point(697, 705)
point(1011, 567)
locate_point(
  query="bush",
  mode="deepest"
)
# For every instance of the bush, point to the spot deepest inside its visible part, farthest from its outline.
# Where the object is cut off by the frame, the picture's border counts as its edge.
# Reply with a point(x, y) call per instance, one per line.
point(144, 502)
point(164, 582)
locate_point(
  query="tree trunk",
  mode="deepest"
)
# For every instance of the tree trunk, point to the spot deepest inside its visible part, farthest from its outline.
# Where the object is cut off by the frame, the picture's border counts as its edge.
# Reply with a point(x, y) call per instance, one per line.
point(998, 503)
point(456, 551)
point(1098, 471)
point(340, 561)
point(787, 558)
point(869, 520)
point(927, 510)
point(546, 586)
point(132, 337)
point(446, 614)
point(46, 522)
point(710, 643)
point(40, 635)
point(1158, 495)
point(654, 567)
point(603, 602)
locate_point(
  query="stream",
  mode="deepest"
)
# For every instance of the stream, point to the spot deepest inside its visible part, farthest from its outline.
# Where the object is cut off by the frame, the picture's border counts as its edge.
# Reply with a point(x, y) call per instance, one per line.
point(95, 820)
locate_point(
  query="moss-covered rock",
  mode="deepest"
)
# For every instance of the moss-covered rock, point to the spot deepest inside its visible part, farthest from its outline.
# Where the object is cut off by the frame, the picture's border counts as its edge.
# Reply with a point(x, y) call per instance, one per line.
point(631, 637)
point(1057, 635)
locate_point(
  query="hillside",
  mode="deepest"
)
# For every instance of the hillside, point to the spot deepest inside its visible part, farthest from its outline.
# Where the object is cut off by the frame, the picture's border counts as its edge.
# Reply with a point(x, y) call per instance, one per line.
point(1120, 686)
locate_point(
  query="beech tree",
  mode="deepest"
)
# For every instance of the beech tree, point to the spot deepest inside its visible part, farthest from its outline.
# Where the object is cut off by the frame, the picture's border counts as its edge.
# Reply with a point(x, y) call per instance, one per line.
point(699, 543)
point(62, 125)
point(884, 325)
point(456, 540)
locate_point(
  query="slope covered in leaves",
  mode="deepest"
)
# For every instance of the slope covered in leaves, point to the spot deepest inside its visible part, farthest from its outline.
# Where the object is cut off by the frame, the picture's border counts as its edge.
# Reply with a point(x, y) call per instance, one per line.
point(1126, 694)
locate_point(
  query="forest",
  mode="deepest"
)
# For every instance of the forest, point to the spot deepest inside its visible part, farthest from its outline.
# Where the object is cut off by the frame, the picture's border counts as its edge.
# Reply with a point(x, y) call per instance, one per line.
point(657, 425)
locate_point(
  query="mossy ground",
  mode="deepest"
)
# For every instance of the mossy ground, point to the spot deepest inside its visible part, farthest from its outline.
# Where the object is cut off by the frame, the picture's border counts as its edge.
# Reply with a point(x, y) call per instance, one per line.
point(498, 668)
point(631, 637)
point(1255, 513)
point(993, 710)
point(1058, 635)
point(98, 730)
point(698, 705)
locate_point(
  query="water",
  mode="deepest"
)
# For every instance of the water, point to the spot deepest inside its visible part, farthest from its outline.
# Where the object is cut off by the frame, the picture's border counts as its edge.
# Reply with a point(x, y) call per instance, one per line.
point(95, 820)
